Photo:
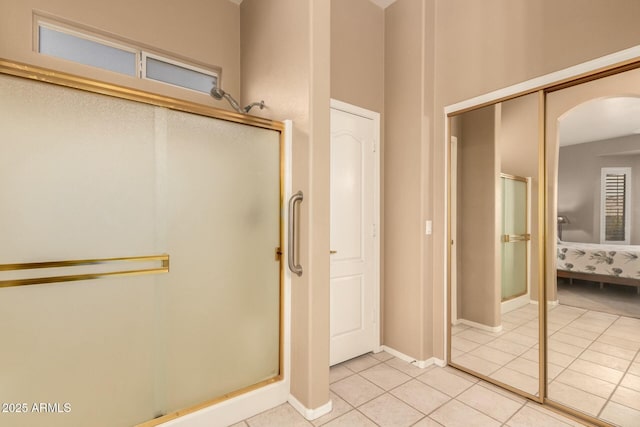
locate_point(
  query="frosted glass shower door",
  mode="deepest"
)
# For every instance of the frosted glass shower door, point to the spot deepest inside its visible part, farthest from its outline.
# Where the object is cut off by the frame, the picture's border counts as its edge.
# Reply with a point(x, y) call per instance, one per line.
point(515, 237)
point(85, 176)
point(222, 317)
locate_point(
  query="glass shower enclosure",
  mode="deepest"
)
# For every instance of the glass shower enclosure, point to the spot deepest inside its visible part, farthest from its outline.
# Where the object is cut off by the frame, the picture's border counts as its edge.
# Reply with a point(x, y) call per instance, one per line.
point(177, 214)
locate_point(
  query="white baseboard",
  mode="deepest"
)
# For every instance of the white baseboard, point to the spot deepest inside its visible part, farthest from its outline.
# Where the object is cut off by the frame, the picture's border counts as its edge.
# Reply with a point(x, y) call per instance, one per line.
point(481, 326)
point(422, 364)
point(310, 414)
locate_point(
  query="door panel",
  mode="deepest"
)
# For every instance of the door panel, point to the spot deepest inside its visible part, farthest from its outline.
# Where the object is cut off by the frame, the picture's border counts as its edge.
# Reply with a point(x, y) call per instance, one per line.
point(353, 325)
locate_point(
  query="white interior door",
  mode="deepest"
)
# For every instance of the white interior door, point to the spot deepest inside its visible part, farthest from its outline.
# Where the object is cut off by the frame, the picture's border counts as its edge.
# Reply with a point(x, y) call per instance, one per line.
point(354, 238)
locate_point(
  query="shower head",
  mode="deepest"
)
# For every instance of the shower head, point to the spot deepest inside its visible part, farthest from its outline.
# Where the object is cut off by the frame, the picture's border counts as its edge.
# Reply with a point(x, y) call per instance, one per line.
point(218, 94)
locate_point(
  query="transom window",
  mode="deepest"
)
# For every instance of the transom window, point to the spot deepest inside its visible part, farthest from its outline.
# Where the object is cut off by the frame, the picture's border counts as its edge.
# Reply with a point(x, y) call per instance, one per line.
point(84, 47)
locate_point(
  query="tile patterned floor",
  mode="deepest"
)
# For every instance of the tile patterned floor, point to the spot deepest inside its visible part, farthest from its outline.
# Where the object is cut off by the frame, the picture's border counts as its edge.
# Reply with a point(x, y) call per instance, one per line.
point(381, 390)
point(593, 358)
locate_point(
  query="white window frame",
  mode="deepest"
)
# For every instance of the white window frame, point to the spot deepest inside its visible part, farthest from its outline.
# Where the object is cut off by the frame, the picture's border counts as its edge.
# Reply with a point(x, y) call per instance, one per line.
point(141, 53)
point(627, 204)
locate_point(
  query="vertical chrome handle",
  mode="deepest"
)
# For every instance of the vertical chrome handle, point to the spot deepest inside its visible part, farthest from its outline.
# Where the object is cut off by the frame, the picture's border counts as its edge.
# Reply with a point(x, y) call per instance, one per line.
point(295, 268)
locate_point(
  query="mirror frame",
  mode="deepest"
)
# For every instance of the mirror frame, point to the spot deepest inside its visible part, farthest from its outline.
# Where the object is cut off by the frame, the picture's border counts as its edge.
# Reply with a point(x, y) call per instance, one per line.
point(605, 66)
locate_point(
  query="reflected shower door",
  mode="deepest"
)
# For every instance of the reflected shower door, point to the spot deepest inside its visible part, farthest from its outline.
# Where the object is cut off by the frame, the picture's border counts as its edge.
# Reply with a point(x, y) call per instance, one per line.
point(514, 237)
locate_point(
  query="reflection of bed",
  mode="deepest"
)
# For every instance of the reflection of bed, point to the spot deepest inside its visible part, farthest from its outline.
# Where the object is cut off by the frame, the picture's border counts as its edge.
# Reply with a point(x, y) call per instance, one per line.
point(617, 264)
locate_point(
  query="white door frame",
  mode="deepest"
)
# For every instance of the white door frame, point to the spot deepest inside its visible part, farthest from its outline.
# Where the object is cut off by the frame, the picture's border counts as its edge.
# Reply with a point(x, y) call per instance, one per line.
point(375, 117)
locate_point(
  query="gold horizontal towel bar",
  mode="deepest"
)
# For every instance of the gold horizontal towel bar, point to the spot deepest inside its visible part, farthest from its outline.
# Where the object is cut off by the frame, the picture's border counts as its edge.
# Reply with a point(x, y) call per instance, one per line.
point(163, 268)
point(512, 238)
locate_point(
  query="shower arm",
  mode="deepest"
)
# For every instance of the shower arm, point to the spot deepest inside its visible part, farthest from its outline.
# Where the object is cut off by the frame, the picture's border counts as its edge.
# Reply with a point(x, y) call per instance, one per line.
point(218, 94)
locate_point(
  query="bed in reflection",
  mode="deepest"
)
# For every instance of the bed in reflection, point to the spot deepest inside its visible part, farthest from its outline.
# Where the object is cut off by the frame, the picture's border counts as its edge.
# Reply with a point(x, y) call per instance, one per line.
point(614, 264)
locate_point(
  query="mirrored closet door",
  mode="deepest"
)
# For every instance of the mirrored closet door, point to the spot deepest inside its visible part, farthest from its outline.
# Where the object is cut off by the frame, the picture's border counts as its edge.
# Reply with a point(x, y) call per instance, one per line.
point(494, 269)
point(593, 258)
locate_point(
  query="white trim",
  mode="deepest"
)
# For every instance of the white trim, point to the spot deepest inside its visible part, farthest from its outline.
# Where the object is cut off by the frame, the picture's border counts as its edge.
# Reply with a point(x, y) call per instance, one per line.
point(515, 303)
point(422, 364)
point(375, 117)
point(310, 414)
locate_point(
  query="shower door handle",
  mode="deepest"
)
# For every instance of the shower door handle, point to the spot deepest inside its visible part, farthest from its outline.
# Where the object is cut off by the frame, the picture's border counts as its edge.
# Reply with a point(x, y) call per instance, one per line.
point(293, 222)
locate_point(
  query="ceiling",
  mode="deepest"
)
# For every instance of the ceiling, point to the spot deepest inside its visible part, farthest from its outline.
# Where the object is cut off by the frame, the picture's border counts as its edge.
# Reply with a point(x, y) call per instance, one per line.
point(600, 119)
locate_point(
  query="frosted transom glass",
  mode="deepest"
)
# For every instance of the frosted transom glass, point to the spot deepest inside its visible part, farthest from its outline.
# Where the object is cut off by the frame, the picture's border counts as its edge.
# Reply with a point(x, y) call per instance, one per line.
point(85, 51)
point(179, 76)
point(90, 176)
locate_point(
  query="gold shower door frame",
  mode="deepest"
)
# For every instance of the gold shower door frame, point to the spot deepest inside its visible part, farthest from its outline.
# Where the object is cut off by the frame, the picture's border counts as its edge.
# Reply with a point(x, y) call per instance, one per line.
point(508, 239)
point(35, 73)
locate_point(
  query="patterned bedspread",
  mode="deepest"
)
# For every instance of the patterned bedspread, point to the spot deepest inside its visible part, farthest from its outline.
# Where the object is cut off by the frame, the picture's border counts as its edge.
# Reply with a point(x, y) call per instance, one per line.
point(611, 260)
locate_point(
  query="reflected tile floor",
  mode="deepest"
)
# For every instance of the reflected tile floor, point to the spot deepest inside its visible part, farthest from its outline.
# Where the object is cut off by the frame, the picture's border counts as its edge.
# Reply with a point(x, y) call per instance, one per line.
point(381, 390)
point(593, 358)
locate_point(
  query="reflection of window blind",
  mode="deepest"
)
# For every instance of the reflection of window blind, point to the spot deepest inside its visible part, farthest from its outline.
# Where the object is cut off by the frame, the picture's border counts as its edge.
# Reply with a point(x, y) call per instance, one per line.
point(615, 209)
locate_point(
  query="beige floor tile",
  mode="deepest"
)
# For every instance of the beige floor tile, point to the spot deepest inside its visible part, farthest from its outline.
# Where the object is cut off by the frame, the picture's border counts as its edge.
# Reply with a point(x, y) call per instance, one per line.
point(489, 402)
point(475, 336)
point(463, 344)
point(389, 411)
point(576, 331)
point(634, 369)
point(427, 422)
point(338, 372)
point(612, 350)
point(575, 398)
point(605, 360)
point(382, 356)
point(476, 364)
point(503, 392)
point(361, 363)
point(559, 359)
point(283, 415)
point(620, 415)
point(564, 348)
point(446, 382)
point(240, 424)
point(457, 414)
point(508, 346)
point(420, 396)
point(459, 373)
point(618, 342)
point(517, 380)
point(339, 407)
point(493, 355)
point(532, 354)
point(456, 329)
point(528, 330)
point(631, 381)
point(520, 338)
point(351, 419)
point(627, 397)
point(595, 370)
point(525, 366)
point(356, 390)
point(553, 371)
point(405, 367)
point(586, 383)
point(529, 416)
point(384, 376)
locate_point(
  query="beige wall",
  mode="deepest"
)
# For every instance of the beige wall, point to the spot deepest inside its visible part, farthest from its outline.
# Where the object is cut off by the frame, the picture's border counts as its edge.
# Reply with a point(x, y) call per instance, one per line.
point(285, 61)
point(478, 243)
point(357, 81)
point(404, 325)
point(484, 46)
point(202, 31)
